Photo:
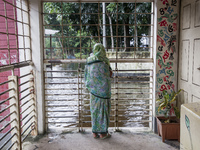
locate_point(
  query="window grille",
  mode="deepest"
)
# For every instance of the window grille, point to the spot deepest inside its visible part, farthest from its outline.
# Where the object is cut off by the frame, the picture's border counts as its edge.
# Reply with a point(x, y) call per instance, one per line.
point(15, 46)
point(72, 29)
point(17, 101)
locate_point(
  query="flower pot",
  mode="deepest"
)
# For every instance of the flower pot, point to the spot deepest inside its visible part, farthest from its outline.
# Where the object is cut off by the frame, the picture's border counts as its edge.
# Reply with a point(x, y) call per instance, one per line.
point(168, 130)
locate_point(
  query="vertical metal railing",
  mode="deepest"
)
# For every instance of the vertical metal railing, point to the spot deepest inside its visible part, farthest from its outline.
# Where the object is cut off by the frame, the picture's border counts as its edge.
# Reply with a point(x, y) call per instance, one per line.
point(79, 99)
point(116, 100)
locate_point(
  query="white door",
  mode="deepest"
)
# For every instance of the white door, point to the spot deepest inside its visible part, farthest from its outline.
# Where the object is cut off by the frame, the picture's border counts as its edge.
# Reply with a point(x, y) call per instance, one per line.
point(189, 54)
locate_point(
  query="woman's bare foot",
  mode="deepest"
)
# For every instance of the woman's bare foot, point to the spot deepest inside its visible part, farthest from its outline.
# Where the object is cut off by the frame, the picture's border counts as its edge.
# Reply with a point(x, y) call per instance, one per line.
point(104, 136)
point(95, 135)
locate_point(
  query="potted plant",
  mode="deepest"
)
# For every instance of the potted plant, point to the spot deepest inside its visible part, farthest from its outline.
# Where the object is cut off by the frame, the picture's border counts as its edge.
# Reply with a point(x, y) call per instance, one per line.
point(169, 125)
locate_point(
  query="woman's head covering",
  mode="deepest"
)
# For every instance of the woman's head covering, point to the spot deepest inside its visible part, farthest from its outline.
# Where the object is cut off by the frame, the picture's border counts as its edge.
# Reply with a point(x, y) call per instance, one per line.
point(99, 50)
point(99, 53)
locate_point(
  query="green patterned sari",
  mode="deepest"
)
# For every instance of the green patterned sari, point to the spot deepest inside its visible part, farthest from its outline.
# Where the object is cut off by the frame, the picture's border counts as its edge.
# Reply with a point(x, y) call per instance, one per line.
point(98, 82)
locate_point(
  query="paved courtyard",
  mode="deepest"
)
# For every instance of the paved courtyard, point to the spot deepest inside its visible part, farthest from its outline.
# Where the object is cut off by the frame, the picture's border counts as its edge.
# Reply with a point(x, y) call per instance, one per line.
point(125, 140)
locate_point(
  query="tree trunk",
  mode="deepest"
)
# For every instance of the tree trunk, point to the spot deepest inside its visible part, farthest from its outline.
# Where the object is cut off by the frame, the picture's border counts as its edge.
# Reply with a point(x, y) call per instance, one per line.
point(127, 39)
point(111, 31)
point(125, 44)
point(61, 47)
point(136, 40)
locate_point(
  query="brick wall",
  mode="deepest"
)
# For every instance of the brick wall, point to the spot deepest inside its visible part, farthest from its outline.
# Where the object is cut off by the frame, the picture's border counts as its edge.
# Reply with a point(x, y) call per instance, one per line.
point(4, 56)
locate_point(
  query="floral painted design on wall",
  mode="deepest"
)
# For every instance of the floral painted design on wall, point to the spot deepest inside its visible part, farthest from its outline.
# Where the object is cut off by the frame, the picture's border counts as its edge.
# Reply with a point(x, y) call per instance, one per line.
point(166, 57)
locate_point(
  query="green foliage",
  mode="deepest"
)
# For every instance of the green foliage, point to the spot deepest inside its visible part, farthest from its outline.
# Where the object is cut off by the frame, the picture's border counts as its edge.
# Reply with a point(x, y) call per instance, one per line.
point(127, 18)
point(60, 16)
point(112, 7)
point(165, 103)
point(78, 55)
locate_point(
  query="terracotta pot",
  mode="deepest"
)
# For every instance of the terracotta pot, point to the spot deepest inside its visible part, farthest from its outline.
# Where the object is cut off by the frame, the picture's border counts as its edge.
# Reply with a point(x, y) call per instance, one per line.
point(168, 130)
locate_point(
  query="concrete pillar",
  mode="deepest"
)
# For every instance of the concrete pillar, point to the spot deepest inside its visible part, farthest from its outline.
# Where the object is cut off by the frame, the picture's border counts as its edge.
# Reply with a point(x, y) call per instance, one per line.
point(166, 47)
point(33, 97)
point(37, 58)
point(154, 40)
point(15, 108)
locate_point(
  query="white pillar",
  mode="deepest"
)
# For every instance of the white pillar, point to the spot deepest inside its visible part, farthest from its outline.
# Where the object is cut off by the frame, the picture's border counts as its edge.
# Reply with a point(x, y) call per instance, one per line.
point(37, 58)
point(154, 43)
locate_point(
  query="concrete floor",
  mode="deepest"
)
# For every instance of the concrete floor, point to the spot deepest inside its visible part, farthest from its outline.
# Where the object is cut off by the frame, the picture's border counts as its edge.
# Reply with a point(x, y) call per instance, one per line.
point(125, 140)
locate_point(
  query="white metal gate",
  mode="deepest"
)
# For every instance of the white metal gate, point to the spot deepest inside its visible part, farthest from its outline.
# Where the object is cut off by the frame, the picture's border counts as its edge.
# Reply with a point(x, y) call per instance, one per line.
point(68, 41)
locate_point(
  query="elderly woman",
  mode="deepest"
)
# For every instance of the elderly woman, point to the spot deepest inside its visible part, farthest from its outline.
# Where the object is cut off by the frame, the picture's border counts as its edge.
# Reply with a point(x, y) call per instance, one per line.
point(98, 82)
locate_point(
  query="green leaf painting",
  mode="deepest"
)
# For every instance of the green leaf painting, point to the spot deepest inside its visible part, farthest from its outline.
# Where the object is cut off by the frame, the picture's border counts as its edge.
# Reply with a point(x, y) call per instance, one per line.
point(187, 123)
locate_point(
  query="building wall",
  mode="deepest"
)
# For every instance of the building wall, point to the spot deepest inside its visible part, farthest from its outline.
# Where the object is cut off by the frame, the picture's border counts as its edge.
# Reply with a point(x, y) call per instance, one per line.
point(167, 47)
point(166, 50)
point(4, 57)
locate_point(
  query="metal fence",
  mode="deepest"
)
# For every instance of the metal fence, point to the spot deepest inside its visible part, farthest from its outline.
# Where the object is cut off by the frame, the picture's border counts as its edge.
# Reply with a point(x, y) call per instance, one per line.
point(67, 101)
point(18, 111)
point(70, 31)
point(17, 99)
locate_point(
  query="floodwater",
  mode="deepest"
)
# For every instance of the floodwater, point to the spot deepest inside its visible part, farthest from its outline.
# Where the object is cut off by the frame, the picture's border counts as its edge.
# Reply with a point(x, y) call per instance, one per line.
point(67, 102)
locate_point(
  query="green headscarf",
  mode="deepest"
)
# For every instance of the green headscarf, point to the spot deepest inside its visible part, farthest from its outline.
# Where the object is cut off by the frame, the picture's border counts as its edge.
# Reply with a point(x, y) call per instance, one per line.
point(99, 53)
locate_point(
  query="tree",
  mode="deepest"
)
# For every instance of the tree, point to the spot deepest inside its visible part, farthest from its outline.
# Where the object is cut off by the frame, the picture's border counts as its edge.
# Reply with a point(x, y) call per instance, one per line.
point(125, 17)
point(66, 18)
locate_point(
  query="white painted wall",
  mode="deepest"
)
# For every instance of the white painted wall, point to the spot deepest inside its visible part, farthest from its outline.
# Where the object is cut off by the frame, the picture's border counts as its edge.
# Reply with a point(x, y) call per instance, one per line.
point(37, 57)
point(166, 47)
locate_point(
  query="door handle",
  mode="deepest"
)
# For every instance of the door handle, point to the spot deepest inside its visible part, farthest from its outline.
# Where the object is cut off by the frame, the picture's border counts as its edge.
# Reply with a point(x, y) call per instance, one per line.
point(198, 68)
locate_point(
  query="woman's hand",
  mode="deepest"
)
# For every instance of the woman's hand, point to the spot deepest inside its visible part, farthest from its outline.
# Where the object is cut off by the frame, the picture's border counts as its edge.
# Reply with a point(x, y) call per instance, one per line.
point(111, 73)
